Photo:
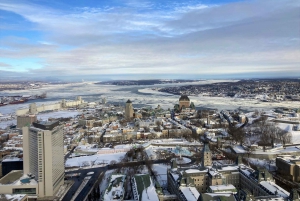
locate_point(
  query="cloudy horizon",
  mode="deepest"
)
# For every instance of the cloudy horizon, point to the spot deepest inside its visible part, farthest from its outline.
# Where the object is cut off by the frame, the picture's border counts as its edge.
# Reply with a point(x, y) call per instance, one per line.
point(149, 39)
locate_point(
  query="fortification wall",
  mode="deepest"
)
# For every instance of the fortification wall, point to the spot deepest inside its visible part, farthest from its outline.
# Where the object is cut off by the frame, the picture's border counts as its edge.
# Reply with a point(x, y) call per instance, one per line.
point(43, 107)
point(56, 106)
point(73, 103)
point(23, 111)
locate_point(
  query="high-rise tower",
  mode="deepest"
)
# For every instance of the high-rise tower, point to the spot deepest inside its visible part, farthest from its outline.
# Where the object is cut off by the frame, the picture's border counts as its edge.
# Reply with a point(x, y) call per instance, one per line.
point(128, 110)
point(43, 156)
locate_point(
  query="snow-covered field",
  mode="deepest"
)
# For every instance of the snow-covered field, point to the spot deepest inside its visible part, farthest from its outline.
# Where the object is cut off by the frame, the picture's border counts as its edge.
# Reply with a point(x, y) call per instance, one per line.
point(104, 183)
point(86, 148)
point(93, 159)
point(279, 150)
point(123, 146)
point(289, 128)
point(161, 171)
point(269, 164)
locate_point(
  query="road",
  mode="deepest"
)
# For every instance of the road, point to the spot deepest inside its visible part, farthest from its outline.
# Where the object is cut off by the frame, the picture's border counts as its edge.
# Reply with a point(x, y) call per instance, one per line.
point(78, 180)
point(97, 171)
point(70, 152)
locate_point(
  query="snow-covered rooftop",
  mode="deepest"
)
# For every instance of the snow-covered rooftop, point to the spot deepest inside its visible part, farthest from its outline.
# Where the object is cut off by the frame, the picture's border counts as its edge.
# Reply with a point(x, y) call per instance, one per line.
point(190, 193)
point(16, 177)
point(13, 197)
point(12, 158)
point(143, 188)
point(193, 171)
point(274, 188)
point(223, 188)
point(115, 189)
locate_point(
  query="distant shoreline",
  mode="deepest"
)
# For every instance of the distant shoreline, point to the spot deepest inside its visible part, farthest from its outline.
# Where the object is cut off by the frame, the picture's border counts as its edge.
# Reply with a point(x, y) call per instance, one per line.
point(145, 82)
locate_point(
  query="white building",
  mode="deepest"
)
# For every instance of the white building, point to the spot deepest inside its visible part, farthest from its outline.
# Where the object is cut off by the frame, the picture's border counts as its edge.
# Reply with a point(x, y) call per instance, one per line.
point(44, 156)
point(43, 162)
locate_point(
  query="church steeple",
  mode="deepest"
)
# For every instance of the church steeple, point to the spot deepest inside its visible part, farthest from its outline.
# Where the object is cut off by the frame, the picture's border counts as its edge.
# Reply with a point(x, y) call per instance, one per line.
point(206, 155)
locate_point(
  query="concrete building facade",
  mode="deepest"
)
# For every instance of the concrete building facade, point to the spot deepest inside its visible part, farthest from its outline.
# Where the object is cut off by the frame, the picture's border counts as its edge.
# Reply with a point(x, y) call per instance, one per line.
point(34, 109)
point(289, 167)
point(212, 174)
point(25, 120)
point(128, 109)
point(44, 156)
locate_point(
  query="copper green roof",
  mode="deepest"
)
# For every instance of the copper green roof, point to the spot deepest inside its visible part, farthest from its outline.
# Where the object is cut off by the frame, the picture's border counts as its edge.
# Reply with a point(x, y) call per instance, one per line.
point(206, 148)
point(142, 182)
point(184, 98)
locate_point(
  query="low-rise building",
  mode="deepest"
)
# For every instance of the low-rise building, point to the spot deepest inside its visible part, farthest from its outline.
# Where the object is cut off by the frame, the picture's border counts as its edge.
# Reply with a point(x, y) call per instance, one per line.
point(289, 167)
point(211, 175)
point(10, 163)
point(26, 120)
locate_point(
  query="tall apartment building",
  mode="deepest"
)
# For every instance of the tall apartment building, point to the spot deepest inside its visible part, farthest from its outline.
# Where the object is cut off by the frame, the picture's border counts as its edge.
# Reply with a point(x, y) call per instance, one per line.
point(43, 156)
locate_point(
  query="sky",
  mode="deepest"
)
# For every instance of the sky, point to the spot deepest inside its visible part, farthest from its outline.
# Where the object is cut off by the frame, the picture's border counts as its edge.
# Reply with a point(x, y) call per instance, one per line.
point(148, 39)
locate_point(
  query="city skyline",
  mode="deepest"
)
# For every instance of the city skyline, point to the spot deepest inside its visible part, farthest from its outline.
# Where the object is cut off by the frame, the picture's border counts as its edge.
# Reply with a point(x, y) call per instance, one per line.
point(149, 39)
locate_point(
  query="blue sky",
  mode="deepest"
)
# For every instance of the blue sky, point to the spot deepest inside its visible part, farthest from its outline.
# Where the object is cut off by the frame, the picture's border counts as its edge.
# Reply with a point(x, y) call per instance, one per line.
point(215, 39)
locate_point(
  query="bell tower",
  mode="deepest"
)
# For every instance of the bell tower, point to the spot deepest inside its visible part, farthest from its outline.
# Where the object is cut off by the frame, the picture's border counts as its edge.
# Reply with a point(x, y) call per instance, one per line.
point(206, 156)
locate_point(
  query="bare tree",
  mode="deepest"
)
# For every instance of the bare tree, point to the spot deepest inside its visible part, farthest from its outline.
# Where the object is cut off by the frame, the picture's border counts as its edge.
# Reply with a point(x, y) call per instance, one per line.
point(158, 124)
point(123, 122)
point(264, 129)
point(256, 113)
point(112, 162)
point(146, 129)
point(286, 138)
point(237, 133)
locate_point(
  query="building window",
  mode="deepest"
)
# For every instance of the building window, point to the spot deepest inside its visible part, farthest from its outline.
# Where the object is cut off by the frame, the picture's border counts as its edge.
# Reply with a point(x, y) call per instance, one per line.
point(24, 191)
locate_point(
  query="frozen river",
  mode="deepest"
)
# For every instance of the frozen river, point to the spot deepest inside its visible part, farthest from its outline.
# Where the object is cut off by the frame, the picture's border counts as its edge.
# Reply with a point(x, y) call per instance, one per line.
point(139, 95)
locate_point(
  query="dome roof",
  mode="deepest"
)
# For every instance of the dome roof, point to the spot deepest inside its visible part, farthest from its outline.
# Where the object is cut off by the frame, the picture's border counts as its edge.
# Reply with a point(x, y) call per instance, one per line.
point(184, 98)
point(129, 101)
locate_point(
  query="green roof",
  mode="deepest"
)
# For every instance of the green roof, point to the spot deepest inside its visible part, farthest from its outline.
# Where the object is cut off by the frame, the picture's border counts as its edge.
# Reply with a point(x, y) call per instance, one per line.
point(206, 148)
point(142, 182)
point(184, 98)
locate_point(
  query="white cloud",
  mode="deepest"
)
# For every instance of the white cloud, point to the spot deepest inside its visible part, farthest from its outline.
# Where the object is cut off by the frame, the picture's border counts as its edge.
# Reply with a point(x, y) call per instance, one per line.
point(251, 36)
